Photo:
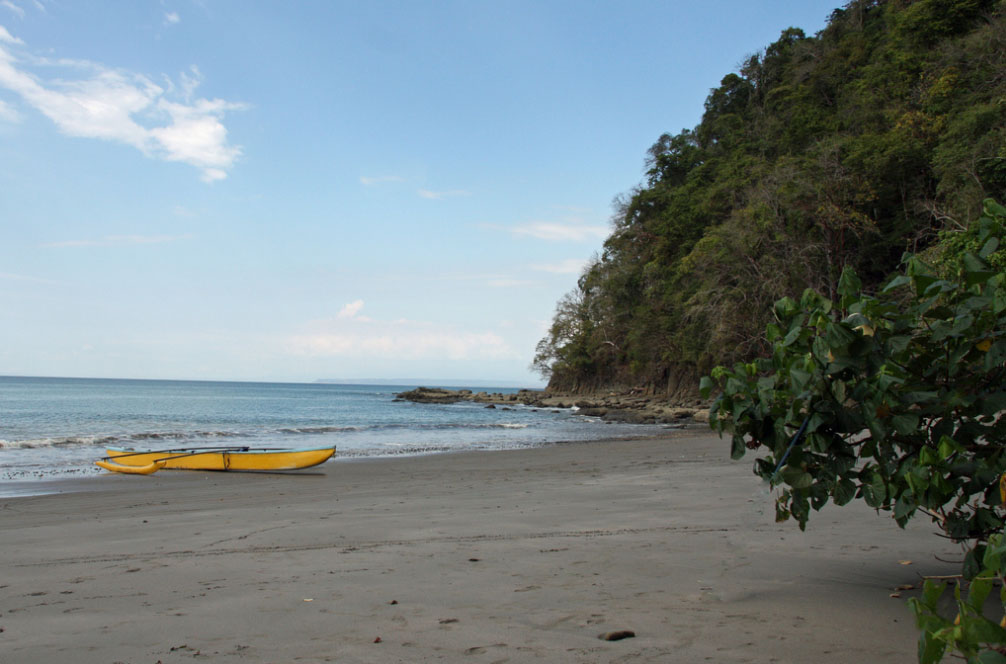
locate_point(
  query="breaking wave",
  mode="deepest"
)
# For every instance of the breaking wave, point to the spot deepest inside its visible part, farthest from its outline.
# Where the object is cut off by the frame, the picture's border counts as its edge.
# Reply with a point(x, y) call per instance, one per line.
point(447, 426)
point(147, 436)
point(315, 430)
point(106, 440)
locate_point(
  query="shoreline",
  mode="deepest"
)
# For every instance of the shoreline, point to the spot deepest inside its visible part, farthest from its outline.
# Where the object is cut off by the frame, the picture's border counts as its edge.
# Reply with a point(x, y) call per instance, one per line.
point(74, 482)
point(526, 555)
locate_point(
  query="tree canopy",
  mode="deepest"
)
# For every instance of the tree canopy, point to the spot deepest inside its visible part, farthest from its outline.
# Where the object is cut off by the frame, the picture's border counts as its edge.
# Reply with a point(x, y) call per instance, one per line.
point(881, 134)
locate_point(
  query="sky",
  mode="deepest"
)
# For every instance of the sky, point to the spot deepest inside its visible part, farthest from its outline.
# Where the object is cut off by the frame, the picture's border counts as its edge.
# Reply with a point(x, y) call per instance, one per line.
point(292, 191)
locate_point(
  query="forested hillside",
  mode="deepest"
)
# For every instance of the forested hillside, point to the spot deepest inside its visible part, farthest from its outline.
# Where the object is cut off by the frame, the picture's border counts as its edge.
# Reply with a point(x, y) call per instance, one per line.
point(881, 134)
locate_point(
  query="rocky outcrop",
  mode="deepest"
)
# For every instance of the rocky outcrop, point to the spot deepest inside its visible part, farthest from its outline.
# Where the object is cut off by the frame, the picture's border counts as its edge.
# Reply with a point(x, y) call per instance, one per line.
point(440, 395)
point(434, 395)
point(633, 407)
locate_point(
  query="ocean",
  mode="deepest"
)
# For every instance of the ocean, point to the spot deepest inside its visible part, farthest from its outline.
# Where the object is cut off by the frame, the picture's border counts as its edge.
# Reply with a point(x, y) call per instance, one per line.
point(57, 427)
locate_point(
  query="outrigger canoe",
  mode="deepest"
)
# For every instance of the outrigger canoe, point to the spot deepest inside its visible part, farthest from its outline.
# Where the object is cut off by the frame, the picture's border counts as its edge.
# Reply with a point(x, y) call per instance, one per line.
point(135, 462)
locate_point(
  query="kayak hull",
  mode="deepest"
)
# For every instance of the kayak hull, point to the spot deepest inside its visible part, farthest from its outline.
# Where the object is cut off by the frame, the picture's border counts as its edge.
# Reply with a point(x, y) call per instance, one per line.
point(149, 469)
point(242, 460)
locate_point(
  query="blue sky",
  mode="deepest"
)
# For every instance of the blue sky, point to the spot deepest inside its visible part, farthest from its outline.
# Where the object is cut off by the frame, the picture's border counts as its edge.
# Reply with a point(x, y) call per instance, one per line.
point(233, 190)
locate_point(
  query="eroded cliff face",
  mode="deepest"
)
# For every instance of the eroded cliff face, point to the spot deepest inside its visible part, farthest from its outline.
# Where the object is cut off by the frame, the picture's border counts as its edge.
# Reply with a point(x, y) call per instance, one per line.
point(677, 385)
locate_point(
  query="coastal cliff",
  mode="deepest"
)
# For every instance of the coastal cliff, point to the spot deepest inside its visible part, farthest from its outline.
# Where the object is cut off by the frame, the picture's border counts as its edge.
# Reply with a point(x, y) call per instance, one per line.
point(881, 134)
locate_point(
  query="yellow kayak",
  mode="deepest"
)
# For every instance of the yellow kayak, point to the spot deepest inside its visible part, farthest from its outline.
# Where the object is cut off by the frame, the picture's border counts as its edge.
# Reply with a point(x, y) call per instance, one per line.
point(228, 458)
point(131, 470)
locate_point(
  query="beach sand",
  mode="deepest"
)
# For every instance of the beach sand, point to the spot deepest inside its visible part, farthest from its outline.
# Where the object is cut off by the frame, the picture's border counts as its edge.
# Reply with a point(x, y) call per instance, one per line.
point(513, 556)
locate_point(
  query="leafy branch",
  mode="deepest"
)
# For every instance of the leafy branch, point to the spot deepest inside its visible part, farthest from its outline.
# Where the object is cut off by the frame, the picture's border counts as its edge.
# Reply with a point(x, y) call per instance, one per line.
point(895, 398)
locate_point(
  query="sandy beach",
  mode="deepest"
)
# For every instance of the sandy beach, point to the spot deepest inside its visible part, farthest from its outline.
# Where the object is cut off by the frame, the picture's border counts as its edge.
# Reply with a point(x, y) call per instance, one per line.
point(512, 556)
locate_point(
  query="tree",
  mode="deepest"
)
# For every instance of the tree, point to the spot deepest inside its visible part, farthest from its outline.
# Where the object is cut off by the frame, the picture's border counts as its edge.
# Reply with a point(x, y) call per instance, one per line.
point(842, 149)
point(898, 399)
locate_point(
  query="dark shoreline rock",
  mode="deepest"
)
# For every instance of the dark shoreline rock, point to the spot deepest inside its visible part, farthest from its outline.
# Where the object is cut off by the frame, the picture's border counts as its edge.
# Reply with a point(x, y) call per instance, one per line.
point(612, 407)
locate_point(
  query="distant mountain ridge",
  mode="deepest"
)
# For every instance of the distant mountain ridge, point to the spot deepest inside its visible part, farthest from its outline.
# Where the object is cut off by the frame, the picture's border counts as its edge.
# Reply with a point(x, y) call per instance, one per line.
point(430, 382)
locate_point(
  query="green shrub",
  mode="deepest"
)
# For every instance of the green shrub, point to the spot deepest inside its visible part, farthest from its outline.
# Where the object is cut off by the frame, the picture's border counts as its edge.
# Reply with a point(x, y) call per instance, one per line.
point(895, 398)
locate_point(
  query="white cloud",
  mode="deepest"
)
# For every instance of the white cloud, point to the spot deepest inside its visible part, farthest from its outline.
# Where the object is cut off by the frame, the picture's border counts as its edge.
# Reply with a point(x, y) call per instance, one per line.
point(7, 112)
point(189, 83)
point(120, 241)
point(404, 345)
point(568, 266)
point(557, 231)
point(380, 179)
point(99, 102)
point(14, 8)
point(440, 195)
point(351, 309)
point(509, 283)
point(197, 136)
point(171, 18)
point(7, 276)
point(7, 37)
point(358, 336)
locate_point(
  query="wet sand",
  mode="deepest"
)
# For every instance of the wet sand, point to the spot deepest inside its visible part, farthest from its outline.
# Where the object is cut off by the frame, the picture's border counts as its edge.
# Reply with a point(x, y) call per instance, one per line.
point(514, 556)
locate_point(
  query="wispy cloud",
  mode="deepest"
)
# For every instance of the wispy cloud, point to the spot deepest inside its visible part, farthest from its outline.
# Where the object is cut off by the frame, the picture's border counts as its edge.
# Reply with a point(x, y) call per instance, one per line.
point(7, 37)
point(7, 276)
point(120, 241)
point(351, 310)
point(189, 81)
point(568, 266)
point(380, 179)
point(440, 195)
point(358, 336)
point(91, 100)
point(171, 18)
point(13, 8)
point(7, 113)
point(555, 231)
point(561, 232)
point(510, 283)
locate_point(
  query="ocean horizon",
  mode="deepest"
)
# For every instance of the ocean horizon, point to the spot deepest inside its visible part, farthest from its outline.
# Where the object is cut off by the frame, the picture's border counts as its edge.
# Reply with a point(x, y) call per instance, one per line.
point(57, 427)
point(405, 383)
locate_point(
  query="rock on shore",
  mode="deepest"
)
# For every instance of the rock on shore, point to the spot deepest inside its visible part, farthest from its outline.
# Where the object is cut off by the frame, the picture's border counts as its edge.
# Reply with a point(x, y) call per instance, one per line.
point(613, 407)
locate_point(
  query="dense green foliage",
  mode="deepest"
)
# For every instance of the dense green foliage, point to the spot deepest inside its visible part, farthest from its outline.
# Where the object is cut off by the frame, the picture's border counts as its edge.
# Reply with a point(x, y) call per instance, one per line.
point(970, 634)
point(897, 396)
point(898, 399)
point(883, 133)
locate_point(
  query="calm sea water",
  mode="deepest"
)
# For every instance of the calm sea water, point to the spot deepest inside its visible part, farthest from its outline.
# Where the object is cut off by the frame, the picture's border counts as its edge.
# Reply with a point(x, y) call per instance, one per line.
point(56, 427)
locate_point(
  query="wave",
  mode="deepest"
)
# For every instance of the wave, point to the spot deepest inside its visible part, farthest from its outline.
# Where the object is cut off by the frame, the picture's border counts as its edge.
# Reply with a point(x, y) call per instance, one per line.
point(178, 436)
point(69, 441)
point(315, 430)
point(445, 426)
point(105, 440)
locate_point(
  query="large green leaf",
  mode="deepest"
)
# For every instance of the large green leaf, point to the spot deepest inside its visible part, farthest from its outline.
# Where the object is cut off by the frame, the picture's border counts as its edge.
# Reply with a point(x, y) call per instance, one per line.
point(737, 447)
point(849, 284)
point(989, 657)
point(904, 507)
point(796, 477)
point(844, 492)
point(931, 649)
point(989, 248)
point(995, 356)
